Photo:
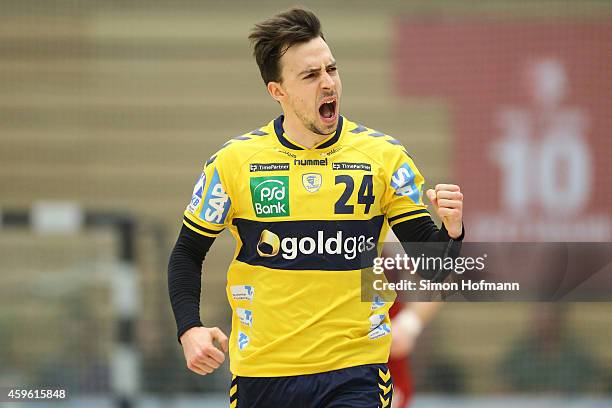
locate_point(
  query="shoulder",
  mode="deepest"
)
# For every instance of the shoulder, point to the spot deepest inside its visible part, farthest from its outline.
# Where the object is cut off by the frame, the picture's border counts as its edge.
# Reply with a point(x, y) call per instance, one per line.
point(238, 149)
point(377, 144)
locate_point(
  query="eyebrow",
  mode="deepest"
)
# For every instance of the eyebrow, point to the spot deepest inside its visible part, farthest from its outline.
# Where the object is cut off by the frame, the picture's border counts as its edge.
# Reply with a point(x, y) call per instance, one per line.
point(311, 70)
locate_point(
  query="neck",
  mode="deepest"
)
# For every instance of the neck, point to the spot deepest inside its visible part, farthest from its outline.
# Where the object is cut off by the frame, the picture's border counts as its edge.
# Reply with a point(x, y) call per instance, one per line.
point(299, 133)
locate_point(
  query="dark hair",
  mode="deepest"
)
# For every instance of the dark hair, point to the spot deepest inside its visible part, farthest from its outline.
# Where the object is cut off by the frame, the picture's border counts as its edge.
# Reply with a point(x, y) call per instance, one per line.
point(273, 37)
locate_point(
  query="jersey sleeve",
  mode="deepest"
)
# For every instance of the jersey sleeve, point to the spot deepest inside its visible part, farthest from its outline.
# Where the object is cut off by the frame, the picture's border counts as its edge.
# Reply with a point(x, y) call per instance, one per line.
point(210, 208)
point(403, 196)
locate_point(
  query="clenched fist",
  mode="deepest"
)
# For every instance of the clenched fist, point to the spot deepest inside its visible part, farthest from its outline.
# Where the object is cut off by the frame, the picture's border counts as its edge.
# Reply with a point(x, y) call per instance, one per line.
point(447, 200)
point(202, 355)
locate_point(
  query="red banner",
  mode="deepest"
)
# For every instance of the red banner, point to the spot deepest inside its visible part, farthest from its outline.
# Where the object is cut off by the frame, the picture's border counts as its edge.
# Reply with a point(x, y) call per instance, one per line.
point(530, 120)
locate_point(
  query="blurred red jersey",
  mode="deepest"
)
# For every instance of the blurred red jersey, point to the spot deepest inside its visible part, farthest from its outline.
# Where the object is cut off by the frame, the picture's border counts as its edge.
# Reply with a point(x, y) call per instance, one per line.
point(400, 371)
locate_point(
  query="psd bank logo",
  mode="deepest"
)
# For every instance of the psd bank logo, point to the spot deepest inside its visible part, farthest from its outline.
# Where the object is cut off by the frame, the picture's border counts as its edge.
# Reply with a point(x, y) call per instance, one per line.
point(270, 196)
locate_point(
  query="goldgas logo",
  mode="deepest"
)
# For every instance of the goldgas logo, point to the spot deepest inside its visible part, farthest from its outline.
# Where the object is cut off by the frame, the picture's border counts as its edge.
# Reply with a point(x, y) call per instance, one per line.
point(268, 245)
point(270, 196)
point(290, 248)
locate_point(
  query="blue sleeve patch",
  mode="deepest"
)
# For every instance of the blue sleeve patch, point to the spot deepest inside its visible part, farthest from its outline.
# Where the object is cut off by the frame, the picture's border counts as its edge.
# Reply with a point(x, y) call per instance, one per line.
point(196, 197)
point(216, 203)
point(402, 182)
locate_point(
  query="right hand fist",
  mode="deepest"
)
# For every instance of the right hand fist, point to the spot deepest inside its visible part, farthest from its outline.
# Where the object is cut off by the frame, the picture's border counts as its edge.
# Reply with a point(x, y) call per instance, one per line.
point(201, 354)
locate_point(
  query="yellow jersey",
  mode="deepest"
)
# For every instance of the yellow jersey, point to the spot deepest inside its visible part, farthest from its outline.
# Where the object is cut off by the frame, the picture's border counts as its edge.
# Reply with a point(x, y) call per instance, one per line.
point(306, 221)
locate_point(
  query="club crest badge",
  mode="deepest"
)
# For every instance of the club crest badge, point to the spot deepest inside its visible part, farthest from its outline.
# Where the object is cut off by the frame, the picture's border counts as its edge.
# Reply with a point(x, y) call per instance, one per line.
point(312, 182)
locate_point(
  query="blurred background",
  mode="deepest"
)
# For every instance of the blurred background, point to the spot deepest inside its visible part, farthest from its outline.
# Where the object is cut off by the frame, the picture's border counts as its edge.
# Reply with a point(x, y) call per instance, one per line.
point(108, 111)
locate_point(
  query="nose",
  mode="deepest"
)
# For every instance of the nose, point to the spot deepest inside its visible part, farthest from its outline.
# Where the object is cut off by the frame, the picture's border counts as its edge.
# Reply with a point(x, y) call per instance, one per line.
point(327, 82)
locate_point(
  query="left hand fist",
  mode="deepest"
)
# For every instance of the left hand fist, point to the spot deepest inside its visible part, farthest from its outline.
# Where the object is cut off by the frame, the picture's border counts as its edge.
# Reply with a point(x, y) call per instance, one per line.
point(406, 327)
point(402, 343)
point(447, 200)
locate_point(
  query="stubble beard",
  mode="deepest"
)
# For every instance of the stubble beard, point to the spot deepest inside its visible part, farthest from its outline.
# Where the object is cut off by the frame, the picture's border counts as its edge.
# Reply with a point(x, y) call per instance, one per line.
point(310, 125)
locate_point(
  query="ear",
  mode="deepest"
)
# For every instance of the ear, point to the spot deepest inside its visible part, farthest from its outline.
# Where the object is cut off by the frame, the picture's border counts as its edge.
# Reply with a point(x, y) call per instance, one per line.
point(275, 89)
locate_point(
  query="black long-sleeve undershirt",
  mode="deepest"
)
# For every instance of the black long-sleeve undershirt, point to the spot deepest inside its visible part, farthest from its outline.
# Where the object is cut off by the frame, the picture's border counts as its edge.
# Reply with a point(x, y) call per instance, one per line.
point(423, 230)
point(185, 278)
point(185, 265)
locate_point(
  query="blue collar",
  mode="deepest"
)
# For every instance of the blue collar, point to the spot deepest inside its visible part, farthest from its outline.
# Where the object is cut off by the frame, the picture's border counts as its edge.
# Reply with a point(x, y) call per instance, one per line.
point(278, 129)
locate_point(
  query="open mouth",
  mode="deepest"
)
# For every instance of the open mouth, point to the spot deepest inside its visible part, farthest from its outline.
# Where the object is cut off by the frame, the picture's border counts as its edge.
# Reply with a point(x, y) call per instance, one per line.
point(327, 109)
